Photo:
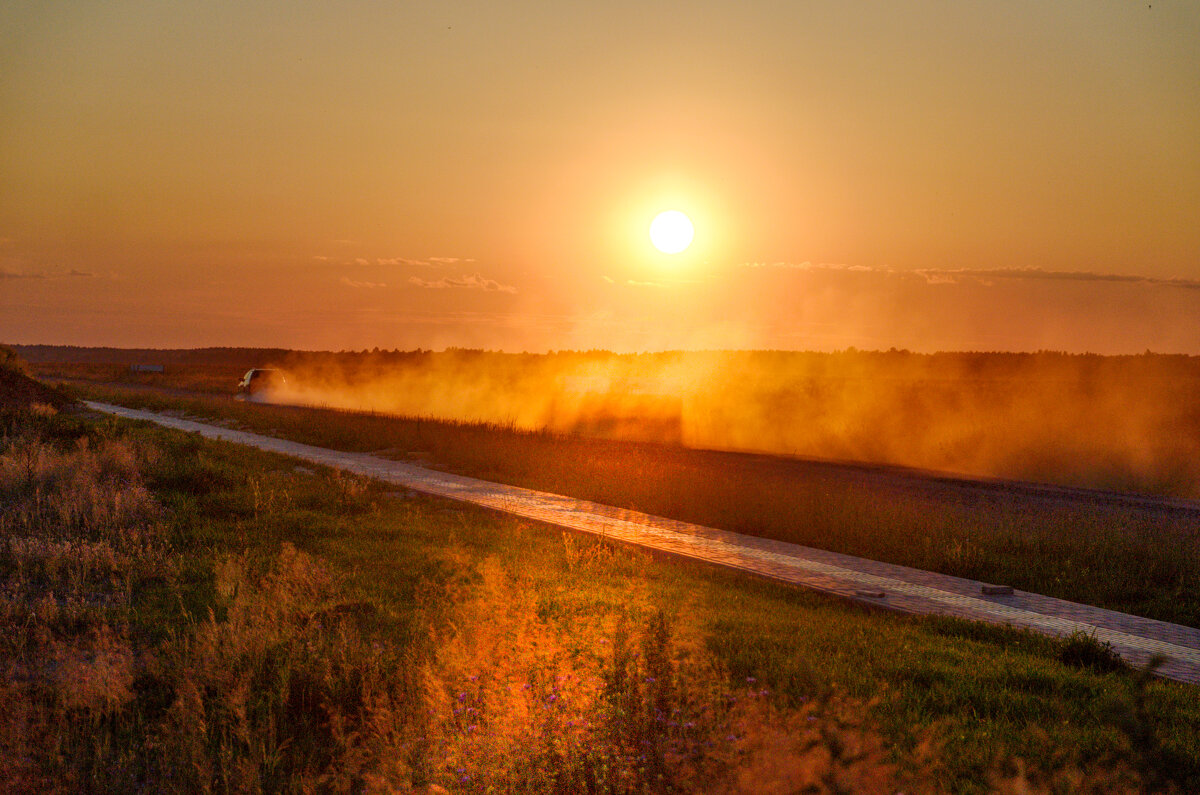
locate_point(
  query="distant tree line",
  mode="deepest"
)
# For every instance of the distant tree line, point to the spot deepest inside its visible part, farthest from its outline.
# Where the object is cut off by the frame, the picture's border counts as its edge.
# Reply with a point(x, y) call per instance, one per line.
point(890, 363)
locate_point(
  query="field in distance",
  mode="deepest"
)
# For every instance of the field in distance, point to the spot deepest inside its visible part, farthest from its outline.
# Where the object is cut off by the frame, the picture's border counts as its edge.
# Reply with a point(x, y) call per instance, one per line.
point(1135, 556)
point(1125, 423)
point(1132, 555)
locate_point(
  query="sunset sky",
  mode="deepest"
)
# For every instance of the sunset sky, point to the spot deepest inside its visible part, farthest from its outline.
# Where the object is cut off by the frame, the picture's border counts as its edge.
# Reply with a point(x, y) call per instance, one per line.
point(925, 175)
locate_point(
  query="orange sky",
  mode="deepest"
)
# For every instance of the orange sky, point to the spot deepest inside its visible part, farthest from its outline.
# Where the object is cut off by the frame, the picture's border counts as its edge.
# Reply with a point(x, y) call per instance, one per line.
point(930, 175)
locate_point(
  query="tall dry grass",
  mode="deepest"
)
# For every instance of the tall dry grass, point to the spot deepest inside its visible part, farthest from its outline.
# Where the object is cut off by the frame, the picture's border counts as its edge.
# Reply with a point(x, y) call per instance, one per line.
point(281, 692)
point(526, 697)
point(77, 531)
point(273, 690)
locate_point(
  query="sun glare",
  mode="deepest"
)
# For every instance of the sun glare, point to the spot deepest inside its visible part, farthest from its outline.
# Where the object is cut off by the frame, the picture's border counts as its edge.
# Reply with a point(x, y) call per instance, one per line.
point(671, 232)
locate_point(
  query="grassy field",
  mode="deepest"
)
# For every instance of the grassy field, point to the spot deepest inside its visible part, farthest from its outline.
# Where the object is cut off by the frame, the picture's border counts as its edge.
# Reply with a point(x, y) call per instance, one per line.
point(182, 615)
point(1113, 556)
point(213, 379)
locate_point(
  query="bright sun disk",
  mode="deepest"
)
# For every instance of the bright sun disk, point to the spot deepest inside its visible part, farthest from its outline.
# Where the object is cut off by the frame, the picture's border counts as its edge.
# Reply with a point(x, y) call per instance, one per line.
point(671, 232)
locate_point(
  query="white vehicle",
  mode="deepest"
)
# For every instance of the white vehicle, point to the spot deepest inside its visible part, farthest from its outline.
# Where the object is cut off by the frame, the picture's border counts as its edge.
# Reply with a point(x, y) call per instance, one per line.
point(259, 380)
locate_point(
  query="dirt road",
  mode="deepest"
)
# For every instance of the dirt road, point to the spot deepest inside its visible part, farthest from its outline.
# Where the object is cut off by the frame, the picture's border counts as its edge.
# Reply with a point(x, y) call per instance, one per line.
point(878, 584)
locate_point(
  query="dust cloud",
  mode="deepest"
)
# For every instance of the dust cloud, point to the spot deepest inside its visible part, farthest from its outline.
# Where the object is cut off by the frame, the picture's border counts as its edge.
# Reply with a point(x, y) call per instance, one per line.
point(1127, 423)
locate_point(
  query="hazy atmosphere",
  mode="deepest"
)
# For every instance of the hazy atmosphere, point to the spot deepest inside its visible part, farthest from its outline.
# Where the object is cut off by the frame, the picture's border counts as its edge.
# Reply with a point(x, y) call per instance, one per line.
point(600, 397)
point(927, 175)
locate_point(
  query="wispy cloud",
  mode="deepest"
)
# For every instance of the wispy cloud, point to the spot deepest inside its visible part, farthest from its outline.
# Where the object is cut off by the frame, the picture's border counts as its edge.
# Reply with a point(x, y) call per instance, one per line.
point(428, 262)
point(985, 276)
point(73, 273)
point(806, 266)
point(361, 285)
point(404, 261)
point(471, 281)
point(634, 283)
point(1073, 276)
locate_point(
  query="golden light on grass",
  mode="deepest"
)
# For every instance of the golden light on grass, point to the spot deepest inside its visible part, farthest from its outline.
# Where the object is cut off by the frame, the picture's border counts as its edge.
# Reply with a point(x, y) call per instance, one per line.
point(671, 232)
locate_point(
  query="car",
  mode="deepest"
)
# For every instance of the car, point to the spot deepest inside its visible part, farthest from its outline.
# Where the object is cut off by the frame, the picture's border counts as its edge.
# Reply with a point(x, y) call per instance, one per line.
point(259, 380)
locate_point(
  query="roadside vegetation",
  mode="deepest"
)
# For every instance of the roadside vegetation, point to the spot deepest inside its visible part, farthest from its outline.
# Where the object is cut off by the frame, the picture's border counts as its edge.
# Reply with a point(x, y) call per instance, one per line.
point(207, 378)
point(1113, 555)
point(181, 615)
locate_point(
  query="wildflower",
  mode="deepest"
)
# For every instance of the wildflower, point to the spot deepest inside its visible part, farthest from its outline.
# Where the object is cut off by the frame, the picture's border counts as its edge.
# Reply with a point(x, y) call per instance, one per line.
point(462, 696)
point(751, 679)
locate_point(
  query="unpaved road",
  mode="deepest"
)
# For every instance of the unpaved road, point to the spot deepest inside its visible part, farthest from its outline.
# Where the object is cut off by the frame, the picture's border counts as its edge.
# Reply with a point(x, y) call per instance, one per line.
point(896, 587)
point(881, 480)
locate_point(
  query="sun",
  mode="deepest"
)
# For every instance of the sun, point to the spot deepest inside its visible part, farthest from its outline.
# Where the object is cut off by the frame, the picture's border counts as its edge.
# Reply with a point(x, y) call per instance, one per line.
point(671, 232)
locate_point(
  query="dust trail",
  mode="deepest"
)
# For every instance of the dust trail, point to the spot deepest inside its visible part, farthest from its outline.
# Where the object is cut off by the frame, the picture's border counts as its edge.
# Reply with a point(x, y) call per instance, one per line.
point(1126, 423)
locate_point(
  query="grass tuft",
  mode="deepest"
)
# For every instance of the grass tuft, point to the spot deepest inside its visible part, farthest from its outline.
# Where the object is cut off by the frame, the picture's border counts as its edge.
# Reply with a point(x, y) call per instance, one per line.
point(1083, 650)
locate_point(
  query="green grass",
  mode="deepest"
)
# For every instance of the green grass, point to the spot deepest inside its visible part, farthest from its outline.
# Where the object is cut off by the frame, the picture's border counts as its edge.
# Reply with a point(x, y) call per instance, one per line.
point(298, 627)
point(1117, 557)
